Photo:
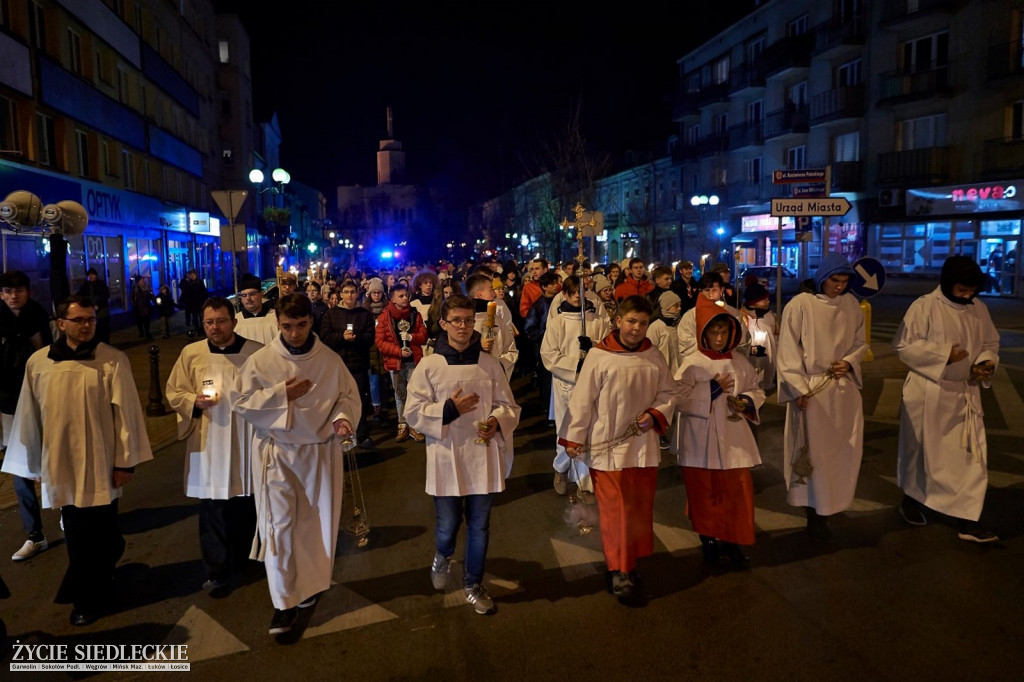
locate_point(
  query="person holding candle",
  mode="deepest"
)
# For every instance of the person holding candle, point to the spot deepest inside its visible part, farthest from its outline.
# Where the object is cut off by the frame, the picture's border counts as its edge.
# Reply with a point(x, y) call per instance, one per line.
point(494, 322)
point(763, 328)
point(460, 399)
point(713, 443)
point(201, 390)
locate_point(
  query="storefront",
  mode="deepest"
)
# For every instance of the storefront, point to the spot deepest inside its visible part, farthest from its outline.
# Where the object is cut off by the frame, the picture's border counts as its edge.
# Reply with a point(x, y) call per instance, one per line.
point(982, 221)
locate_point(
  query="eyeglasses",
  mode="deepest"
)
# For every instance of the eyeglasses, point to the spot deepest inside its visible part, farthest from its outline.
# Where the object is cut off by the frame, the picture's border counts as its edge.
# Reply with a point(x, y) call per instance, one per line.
point(461, 321)
point(249, 294)
point(80, 321)
point(217, 322)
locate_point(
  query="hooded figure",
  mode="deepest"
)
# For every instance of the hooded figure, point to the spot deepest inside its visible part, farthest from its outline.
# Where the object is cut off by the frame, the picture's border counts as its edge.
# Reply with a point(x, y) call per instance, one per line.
point(951, 347)
point(718, 391)
point(832, 264)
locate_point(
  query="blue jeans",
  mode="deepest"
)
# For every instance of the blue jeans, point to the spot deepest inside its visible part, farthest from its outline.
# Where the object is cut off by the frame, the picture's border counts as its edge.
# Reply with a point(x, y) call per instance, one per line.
point(375, 389)
point(28, 507)
point(477, 510)
point(400, 381)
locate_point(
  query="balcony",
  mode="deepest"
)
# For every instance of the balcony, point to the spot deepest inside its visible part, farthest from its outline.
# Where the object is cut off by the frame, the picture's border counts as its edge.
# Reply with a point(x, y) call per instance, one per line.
point(927, 166)
point(684, 104)
point(749, 75)
point(897, 11)
point(747, 193)
point(1005, 60)
point(901, 86)
point(788, 121)
point(838, 104)
point(714, 92)
point(789, 53)
point(746, 135)
point(1002, 158)
point(837, 33)
point(847, 176)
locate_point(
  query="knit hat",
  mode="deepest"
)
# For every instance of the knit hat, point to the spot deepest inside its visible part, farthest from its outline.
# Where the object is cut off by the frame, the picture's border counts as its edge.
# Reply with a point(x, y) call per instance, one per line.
point(668, 299)
point(250, 281)
point(755, 292)
point(601, 283)
point(497, 283)
point(832, 264)
point(376, 284)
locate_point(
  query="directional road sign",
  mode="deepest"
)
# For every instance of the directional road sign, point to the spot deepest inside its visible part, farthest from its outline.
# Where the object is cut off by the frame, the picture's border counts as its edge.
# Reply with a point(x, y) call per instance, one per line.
point(869, 278)
point(806, 175)
point(829, 206)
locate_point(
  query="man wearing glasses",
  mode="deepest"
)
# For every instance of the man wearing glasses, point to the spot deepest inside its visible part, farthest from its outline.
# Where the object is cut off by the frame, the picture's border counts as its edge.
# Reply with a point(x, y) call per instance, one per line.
point(461, 401)
point(81, 381)
point(257, 319)
point(24, 329)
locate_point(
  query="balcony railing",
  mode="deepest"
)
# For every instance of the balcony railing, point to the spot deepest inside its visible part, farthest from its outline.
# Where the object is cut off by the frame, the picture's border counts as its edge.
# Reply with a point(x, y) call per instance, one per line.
point(684, 104)
point(790, 120)
point(748, 75)
point(838, 103)
point(789, 53)
point(837, 32)
point(926, 166)
point(746, 135)
point(917, 84)
point(895, 10)
point(1005, 60)
point(847, 176)
point(1003, 157)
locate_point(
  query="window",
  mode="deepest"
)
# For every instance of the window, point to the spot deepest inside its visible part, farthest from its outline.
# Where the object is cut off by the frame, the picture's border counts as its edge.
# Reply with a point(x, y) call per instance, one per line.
point(222, 50)
point(755, 111)
point(128, 168)
point(138, 18)
point(722, 123)
point(694, 183)
point(122, 85)
point(165, 182)
point(5, 12)
point(104, 65)
point(74, 51)
point(105, 153)
point(752, 169)
point(797, 27)
point(846, 148)
point(798, 94)
point(796, 157)
point(848, 74)
point(46, 140)
point(754, 50)
point(925, 54)
point(693, 134)
point(179, 187)
point(82, 143)
point(228, 157)
point(720, 70)
point(37, 25)
point(225, 103)
point(147, 185)
point(921, 133)
point(1017, 120)
point(8, 127)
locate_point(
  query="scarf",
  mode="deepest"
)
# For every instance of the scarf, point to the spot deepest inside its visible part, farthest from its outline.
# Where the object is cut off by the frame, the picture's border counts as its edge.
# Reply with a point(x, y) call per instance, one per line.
point(61, 351)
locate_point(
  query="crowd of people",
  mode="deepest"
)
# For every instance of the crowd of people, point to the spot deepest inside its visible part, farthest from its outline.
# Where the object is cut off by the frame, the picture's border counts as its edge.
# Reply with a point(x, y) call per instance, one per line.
point(623, 362)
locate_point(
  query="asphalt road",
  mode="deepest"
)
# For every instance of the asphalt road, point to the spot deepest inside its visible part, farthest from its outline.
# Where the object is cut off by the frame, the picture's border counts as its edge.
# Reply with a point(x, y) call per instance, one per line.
point(885, 602)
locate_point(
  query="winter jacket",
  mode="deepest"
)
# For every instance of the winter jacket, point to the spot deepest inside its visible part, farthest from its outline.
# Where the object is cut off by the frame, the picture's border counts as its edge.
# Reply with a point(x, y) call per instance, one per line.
point(390, 344)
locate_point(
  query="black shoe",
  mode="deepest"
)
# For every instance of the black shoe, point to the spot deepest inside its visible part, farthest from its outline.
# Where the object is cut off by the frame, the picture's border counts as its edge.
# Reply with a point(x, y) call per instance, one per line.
point(740, 561)
point(817, 527)
point(283, 621)
point(710, 551)
point(622, 585)
point(217, 589)
point(910, 510)
point(81, 618)
point(972, 531)
point(367, 444)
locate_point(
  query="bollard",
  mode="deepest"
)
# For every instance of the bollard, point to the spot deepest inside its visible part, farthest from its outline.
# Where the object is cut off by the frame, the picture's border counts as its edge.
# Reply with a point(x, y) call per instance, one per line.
point(865, 308)
point(155, 408)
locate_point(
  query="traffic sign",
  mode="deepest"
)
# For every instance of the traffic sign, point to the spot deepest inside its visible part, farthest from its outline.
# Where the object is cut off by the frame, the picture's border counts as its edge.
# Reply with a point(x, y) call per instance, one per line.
point(781, 177)
point(829, 206)
point(230, 201)
point(869, 277)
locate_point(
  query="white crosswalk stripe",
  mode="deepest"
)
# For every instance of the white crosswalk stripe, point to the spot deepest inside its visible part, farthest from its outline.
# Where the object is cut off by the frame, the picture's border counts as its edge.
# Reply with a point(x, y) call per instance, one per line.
point(205, 637)
point(576, 561)
point(339, 608)
point(675, 539)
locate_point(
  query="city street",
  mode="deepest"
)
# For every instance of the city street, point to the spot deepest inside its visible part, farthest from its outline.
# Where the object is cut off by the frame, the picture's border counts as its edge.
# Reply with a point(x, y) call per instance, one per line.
point(886, 601)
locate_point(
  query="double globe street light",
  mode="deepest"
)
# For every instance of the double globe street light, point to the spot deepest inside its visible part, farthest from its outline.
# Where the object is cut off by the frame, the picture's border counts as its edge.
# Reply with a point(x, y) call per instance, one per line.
point(701, 203)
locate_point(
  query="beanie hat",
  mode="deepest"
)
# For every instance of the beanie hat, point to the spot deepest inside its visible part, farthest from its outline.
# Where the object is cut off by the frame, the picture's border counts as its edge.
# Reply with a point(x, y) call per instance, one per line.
point(601, 283)
point(832, 264)
point(755, 292)
point(376, 284)
point(496, 283)
point(668, 299)
point(250, 281)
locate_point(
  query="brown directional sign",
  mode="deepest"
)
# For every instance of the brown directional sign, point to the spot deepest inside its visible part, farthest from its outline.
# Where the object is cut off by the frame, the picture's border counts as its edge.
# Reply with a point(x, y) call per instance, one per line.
point(804, 175)
point(828, 206)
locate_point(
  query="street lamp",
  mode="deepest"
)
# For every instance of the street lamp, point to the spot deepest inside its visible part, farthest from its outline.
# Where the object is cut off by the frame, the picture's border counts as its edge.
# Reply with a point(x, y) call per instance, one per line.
point(701, 202)
point(279, 178)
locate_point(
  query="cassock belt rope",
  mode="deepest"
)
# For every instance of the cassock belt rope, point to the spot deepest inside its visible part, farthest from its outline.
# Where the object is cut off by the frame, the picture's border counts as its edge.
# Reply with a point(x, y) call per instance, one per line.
point(632, 431)
point(969, 438)
point(264, 536)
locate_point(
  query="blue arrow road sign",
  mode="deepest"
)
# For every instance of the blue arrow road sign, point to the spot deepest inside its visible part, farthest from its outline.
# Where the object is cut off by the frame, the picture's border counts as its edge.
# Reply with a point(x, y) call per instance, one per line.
point(869, 278)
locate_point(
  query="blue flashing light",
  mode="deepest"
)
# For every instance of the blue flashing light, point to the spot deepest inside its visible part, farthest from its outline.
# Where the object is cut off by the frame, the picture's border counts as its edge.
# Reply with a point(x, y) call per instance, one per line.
point(386, 254)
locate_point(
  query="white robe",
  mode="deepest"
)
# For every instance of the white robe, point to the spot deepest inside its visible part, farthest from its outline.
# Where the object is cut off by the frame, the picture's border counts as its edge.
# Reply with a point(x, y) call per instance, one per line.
point(706, 437)
point(817, 331)
point(262, 330)
point(77, 420)
point(666, 340)
point(686, 330)
point(764, 329)
point(218, 449)
point(504, 335)
point(612, 390)
point(297, 464)
point(456, 464)
point(942, 446)
point(560, 353)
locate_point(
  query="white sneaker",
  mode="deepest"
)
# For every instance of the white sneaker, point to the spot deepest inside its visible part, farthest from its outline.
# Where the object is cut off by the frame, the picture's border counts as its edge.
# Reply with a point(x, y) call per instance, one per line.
point(29, 550)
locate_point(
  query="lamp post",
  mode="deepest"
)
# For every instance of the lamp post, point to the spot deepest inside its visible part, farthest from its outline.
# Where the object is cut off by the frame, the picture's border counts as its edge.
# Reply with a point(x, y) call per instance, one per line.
point(279, 177)
point(701, 202)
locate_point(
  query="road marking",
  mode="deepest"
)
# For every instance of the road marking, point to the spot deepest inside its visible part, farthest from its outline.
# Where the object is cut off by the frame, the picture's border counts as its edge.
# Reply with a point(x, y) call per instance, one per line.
point(862, 505)
point(497, 587)
point(342, 609)
point(1002, 479)
point(768, 520)
point(676, 539)
point(1008, 400)
point(577, 562)
point(205, 637)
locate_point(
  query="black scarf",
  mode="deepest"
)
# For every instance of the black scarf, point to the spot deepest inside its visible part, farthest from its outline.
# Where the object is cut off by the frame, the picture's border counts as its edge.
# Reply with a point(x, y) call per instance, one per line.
point(60, 350)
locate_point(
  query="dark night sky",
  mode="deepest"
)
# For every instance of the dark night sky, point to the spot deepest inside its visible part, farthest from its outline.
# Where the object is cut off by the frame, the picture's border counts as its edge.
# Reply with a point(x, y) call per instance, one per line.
point(476, 90)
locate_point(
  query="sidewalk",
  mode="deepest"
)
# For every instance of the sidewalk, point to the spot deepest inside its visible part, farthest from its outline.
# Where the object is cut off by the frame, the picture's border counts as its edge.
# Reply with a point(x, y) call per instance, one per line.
point(162, 430)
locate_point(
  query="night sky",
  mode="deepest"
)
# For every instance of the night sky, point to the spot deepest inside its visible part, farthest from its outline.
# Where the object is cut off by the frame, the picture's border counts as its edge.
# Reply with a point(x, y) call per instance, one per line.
point(478, 92)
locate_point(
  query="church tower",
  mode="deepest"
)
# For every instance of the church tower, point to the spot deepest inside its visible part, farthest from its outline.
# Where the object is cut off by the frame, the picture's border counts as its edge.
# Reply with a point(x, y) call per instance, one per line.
point(390, 158)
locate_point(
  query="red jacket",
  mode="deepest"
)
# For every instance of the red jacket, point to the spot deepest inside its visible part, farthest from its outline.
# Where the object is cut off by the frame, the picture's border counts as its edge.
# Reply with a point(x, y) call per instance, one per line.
point(532, 292)
point(633, 287)
point(388, 343)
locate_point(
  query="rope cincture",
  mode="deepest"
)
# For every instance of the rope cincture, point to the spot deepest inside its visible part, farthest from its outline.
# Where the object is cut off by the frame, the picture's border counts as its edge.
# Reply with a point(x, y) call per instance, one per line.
point(801, 465)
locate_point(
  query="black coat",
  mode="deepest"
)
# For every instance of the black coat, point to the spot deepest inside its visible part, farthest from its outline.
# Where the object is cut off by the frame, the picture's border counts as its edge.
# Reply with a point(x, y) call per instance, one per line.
point(355, 353)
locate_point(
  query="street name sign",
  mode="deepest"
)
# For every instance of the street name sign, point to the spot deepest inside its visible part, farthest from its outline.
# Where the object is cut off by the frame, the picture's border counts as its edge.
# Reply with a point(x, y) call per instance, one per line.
point(781, 177)
point(829, 206)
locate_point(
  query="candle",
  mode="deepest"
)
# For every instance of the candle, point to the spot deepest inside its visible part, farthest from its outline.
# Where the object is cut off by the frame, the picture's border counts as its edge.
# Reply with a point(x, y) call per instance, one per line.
point(760, 337)
point(492, 308)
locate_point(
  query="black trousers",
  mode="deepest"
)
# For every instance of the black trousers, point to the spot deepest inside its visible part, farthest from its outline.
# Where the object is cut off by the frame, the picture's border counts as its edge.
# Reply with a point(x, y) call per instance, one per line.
point(363, 382)
point(95, 545)
point(226, 530)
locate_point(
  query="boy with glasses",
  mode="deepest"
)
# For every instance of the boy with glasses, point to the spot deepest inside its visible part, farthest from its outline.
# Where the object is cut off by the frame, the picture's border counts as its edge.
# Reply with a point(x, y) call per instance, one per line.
point(461, 401)
point(257, 319)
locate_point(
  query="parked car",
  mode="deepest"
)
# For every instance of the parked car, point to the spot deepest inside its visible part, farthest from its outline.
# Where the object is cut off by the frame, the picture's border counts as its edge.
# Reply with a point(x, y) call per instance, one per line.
point(767, 276)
